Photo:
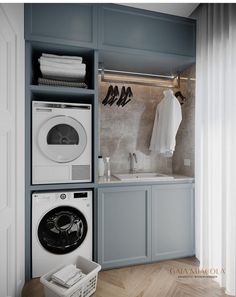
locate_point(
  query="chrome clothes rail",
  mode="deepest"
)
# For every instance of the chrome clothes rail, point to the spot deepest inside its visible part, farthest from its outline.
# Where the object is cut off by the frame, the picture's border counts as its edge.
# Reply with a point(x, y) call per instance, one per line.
point(145, 79)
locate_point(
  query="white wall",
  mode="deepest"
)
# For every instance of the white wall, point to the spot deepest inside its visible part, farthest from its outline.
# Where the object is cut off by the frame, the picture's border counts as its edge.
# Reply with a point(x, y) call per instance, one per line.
point(15, 14)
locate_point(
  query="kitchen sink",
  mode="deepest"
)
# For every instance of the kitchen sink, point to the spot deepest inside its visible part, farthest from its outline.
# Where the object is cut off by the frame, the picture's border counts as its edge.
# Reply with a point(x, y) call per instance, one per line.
point(143, 177)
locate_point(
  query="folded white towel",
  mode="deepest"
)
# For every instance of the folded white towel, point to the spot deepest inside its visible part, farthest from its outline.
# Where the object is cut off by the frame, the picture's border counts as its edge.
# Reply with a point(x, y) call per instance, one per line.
point(65, 59)
point(67, 276)
point(51, 63)
point(54, 70)
point(167, 120)
point(66, 273)
point(62, 74)
point(74, 280)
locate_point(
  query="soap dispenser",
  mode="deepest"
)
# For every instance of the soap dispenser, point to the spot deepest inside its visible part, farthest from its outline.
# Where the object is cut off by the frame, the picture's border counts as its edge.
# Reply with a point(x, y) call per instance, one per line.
point(101, 166)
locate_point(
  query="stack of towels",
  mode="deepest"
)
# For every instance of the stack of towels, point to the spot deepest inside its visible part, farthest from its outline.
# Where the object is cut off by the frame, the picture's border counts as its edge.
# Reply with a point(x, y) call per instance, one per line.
point(66, 71)
point(67, 276)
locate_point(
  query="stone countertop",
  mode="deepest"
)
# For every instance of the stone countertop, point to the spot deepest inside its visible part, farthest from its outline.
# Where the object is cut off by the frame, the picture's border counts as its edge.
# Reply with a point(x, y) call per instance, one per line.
point(104, 181)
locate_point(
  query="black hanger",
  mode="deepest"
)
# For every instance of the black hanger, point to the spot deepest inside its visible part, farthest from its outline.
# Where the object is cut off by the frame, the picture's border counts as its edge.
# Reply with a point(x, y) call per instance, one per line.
point(179, 94)
point(129, 95)
point(109, 93)
point(122, 95)
point(114, 96)
point(113, 93)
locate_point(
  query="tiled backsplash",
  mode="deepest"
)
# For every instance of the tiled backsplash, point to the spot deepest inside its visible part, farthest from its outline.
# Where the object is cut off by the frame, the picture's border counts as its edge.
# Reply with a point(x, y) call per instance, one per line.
point(128, 129)
point(185, 137)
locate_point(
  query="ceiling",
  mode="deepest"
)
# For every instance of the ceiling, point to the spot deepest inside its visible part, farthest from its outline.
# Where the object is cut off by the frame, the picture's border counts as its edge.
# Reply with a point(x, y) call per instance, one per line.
point(179, 9)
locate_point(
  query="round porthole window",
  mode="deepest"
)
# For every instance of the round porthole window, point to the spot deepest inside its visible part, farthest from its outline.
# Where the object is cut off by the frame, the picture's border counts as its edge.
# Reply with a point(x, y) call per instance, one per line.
point(63, 134)
point(62, 139)
point(62, 230)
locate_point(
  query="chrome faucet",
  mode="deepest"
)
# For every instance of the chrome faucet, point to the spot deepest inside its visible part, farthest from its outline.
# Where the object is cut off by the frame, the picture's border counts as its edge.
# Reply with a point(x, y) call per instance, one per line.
point(132, 160)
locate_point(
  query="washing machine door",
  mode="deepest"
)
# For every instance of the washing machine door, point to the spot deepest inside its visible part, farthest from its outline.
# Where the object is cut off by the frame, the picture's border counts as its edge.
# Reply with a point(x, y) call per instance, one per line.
point(62, 230)
point(62, 139)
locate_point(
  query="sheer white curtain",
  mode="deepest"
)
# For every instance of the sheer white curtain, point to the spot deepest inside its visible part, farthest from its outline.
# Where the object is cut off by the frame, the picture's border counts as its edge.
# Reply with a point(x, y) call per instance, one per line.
point(216, 140)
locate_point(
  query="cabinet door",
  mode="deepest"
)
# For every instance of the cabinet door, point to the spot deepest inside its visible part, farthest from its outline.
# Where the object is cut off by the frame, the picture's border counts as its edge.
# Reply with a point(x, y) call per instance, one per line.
point(123, 226)
point(74, 24)
point(133, 30)
point(172, 221)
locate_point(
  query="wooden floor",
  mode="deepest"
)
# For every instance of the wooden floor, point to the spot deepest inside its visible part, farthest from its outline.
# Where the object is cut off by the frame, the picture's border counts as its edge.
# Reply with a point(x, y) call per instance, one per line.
point(162, 279)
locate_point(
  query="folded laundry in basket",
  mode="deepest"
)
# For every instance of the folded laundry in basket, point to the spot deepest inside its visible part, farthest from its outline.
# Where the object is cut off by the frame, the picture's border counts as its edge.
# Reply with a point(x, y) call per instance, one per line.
point(68, 276)
point(62, 59)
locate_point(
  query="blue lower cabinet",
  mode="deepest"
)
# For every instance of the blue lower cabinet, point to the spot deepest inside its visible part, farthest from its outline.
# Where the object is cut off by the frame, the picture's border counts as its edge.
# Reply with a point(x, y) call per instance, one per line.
point(141, 224)
point(172, 221)
point(124, 230)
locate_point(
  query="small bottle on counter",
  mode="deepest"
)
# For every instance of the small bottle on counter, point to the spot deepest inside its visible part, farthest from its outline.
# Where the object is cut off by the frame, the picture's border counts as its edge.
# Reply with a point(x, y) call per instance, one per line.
point(108, 167)
point(101, 166)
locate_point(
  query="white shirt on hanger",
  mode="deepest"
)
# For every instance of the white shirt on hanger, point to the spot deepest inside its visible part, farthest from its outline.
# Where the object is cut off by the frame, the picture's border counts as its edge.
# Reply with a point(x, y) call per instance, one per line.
point(167, 120)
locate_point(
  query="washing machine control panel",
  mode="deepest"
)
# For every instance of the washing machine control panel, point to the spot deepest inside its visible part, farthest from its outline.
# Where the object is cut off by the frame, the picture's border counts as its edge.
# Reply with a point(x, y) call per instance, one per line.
point(49, 197)
point(72, 195)
point(76, 195)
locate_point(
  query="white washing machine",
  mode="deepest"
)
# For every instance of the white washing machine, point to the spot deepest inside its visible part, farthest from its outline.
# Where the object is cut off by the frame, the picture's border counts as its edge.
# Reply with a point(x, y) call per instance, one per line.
point(61, 229)
point(61, 142)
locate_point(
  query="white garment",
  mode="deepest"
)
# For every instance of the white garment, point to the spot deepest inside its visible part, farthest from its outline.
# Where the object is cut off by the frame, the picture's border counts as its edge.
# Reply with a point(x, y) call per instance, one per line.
point(215, 142)
point(167, 120)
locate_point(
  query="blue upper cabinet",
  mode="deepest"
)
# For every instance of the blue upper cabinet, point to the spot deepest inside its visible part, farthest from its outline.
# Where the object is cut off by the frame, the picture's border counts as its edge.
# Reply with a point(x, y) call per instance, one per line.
point(139, 31)
point(74, 24)
point(110, 27)
point(128, 39)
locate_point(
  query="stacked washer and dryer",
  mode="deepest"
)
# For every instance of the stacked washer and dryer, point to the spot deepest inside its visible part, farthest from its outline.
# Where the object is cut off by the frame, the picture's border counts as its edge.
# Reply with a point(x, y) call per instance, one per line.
point(61, 153)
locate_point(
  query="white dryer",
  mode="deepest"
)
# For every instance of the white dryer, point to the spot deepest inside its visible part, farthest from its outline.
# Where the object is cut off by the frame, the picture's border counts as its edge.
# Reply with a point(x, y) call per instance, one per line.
point(61, 229)
point(61, 142)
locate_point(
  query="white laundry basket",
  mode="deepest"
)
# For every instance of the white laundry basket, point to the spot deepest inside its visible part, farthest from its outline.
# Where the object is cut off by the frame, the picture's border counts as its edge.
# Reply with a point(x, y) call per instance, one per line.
point(84, 288)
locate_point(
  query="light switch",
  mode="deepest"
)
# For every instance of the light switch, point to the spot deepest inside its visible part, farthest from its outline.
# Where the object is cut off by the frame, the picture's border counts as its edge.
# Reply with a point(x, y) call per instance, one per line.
point(187, 162)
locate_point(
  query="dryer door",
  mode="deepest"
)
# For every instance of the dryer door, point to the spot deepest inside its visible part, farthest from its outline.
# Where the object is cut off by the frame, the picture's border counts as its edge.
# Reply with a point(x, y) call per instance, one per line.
point(62, 230)
point(62, 139)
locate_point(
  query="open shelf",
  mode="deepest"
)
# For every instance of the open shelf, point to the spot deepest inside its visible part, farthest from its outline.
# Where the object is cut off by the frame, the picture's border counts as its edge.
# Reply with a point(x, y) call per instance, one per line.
point(56, 187)
point(48, 90)
point(61, 94)
point(37, 48)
